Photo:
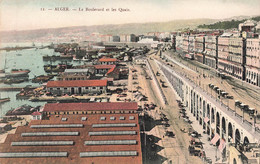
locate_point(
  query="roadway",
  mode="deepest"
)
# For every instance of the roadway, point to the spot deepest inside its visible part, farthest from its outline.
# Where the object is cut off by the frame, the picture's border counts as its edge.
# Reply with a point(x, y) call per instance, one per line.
point(246, 93)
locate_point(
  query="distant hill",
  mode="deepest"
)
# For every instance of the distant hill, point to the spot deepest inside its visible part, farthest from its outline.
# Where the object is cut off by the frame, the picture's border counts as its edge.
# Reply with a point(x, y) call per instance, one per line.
point(115, 29)
point(227, 24)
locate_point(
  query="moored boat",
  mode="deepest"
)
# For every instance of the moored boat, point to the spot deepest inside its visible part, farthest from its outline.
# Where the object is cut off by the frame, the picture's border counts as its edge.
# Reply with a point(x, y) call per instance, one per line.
point(18, 72)
point(57, 68)
point(53, 58)
point(14, 80)
point(2, 100)
point(42, 78)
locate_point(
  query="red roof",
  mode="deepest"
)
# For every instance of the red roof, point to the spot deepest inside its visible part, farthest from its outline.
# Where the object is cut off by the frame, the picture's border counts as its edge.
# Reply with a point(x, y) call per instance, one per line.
point(78, 141)
point(90, 106)
point(36, 113)
point(111, 70)
point(107, 60)
point(77, 83)
point(104, 66)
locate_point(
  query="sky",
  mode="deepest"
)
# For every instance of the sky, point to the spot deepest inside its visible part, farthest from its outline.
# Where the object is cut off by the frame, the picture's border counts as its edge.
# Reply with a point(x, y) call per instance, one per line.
point(28, 14)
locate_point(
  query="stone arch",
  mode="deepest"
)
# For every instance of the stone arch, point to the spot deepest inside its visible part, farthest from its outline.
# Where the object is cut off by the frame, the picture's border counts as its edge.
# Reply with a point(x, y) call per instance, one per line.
point(223, 122)
point(208, 110)
point(230, 130)
point(237, 136)
point(217, 123)
point(194, 100)
point(246, 141)
point(191, 99)
point(197, 107)
point(212, 115)
point(234, 161)
point(200, 103)
point(204, 108)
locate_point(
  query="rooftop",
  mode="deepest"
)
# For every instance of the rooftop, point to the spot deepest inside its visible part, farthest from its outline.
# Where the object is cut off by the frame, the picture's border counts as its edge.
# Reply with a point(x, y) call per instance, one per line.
point(76, 70)
point(104, 66)
point(81, 148)
point(107, 59)
point(36, 113)
point(90, 106)
point(77, 83)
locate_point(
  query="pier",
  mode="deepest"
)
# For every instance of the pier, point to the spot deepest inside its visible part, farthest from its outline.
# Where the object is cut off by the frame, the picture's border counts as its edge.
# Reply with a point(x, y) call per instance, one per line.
point(14, 88)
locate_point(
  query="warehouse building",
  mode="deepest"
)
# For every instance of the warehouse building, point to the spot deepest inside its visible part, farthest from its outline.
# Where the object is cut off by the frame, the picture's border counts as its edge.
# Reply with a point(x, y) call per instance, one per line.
point(90, 108)
point(88, 139)
point(77, 86)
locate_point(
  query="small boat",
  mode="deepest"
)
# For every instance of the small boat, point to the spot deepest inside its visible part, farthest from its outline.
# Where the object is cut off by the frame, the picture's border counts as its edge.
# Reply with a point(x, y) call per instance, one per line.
point(18, 54)
point(75, 58)
point(2, 100)
point(53, 57)
point(18, 72)
point(22, 110)
point(14, 81)
point(57, 68)
point(42, 78)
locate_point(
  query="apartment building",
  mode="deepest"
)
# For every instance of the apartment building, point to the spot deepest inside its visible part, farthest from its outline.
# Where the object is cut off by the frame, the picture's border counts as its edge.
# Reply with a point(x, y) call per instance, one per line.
point(210, 51)
point(199, 48)
point(253, 61)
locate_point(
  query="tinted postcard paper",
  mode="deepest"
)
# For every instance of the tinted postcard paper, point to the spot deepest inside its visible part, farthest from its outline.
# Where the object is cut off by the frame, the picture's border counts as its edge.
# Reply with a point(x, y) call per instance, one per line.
point(129, 82)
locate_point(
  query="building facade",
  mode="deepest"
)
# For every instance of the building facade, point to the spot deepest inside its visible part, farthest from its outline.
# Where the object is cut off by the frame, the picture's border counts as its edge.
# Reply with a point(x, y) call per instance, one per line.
point(253, 61)
point(233, 55)
point(77, 87)
point(78, 137)
point(77, 74)
point(199, 49)
point(210, 51)
point(107, 61)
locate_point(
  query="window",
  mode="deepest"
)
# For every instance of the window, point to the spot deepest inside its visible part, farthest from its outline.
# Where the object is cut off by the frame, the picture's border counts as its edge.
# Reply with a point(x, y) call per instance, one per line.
point(58, 88)
point(63, 119)
point(94, 87)
point(112, 118)
point(101, 87)
point(131, 117)
point(86, 87)
point(121, 118)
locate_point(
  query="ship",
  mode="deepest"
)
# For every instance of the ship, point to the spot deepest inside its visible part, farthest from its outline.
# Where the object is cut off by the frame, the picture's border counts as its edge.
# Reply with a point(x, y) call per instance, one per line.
point(18, 73)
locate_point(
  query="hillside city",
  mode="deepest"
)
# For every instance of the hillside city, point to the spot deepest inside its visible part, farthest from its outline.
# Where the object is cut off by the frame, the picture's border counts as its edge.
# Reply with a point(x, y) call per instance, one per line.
point(180, 97)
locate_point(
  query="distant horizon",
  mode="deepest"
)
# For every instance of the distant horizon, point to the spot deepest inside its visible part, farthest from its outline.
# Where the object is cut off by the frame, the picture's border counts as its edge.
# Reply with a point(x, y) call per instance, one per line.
point(17, 15)
point(127, 23)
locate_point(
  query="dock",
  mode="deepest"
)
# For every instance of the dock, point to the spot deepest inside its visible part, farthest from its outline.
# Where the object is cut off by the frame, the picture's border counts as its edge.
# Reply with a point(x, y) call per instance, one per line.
point(14, 88)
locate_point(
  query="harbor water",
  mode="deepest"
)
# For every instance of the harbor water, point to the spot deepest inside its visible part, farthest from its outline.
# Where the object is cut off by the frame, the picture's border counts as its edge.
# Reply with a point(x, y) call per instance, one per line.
point(25, 59)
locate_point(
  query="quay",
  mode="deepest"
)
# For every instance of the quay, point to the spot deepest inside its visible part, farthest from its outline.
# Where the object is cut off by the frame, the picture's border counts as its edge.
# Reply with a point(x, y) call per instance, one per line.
point(67, 98)
point(14, 88)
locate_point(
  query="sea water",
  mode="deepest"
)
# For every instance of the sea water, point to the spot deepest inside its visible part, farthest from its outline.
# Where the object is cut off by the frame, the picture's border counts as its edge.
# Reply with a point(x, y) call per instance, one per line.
point(24, 59)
